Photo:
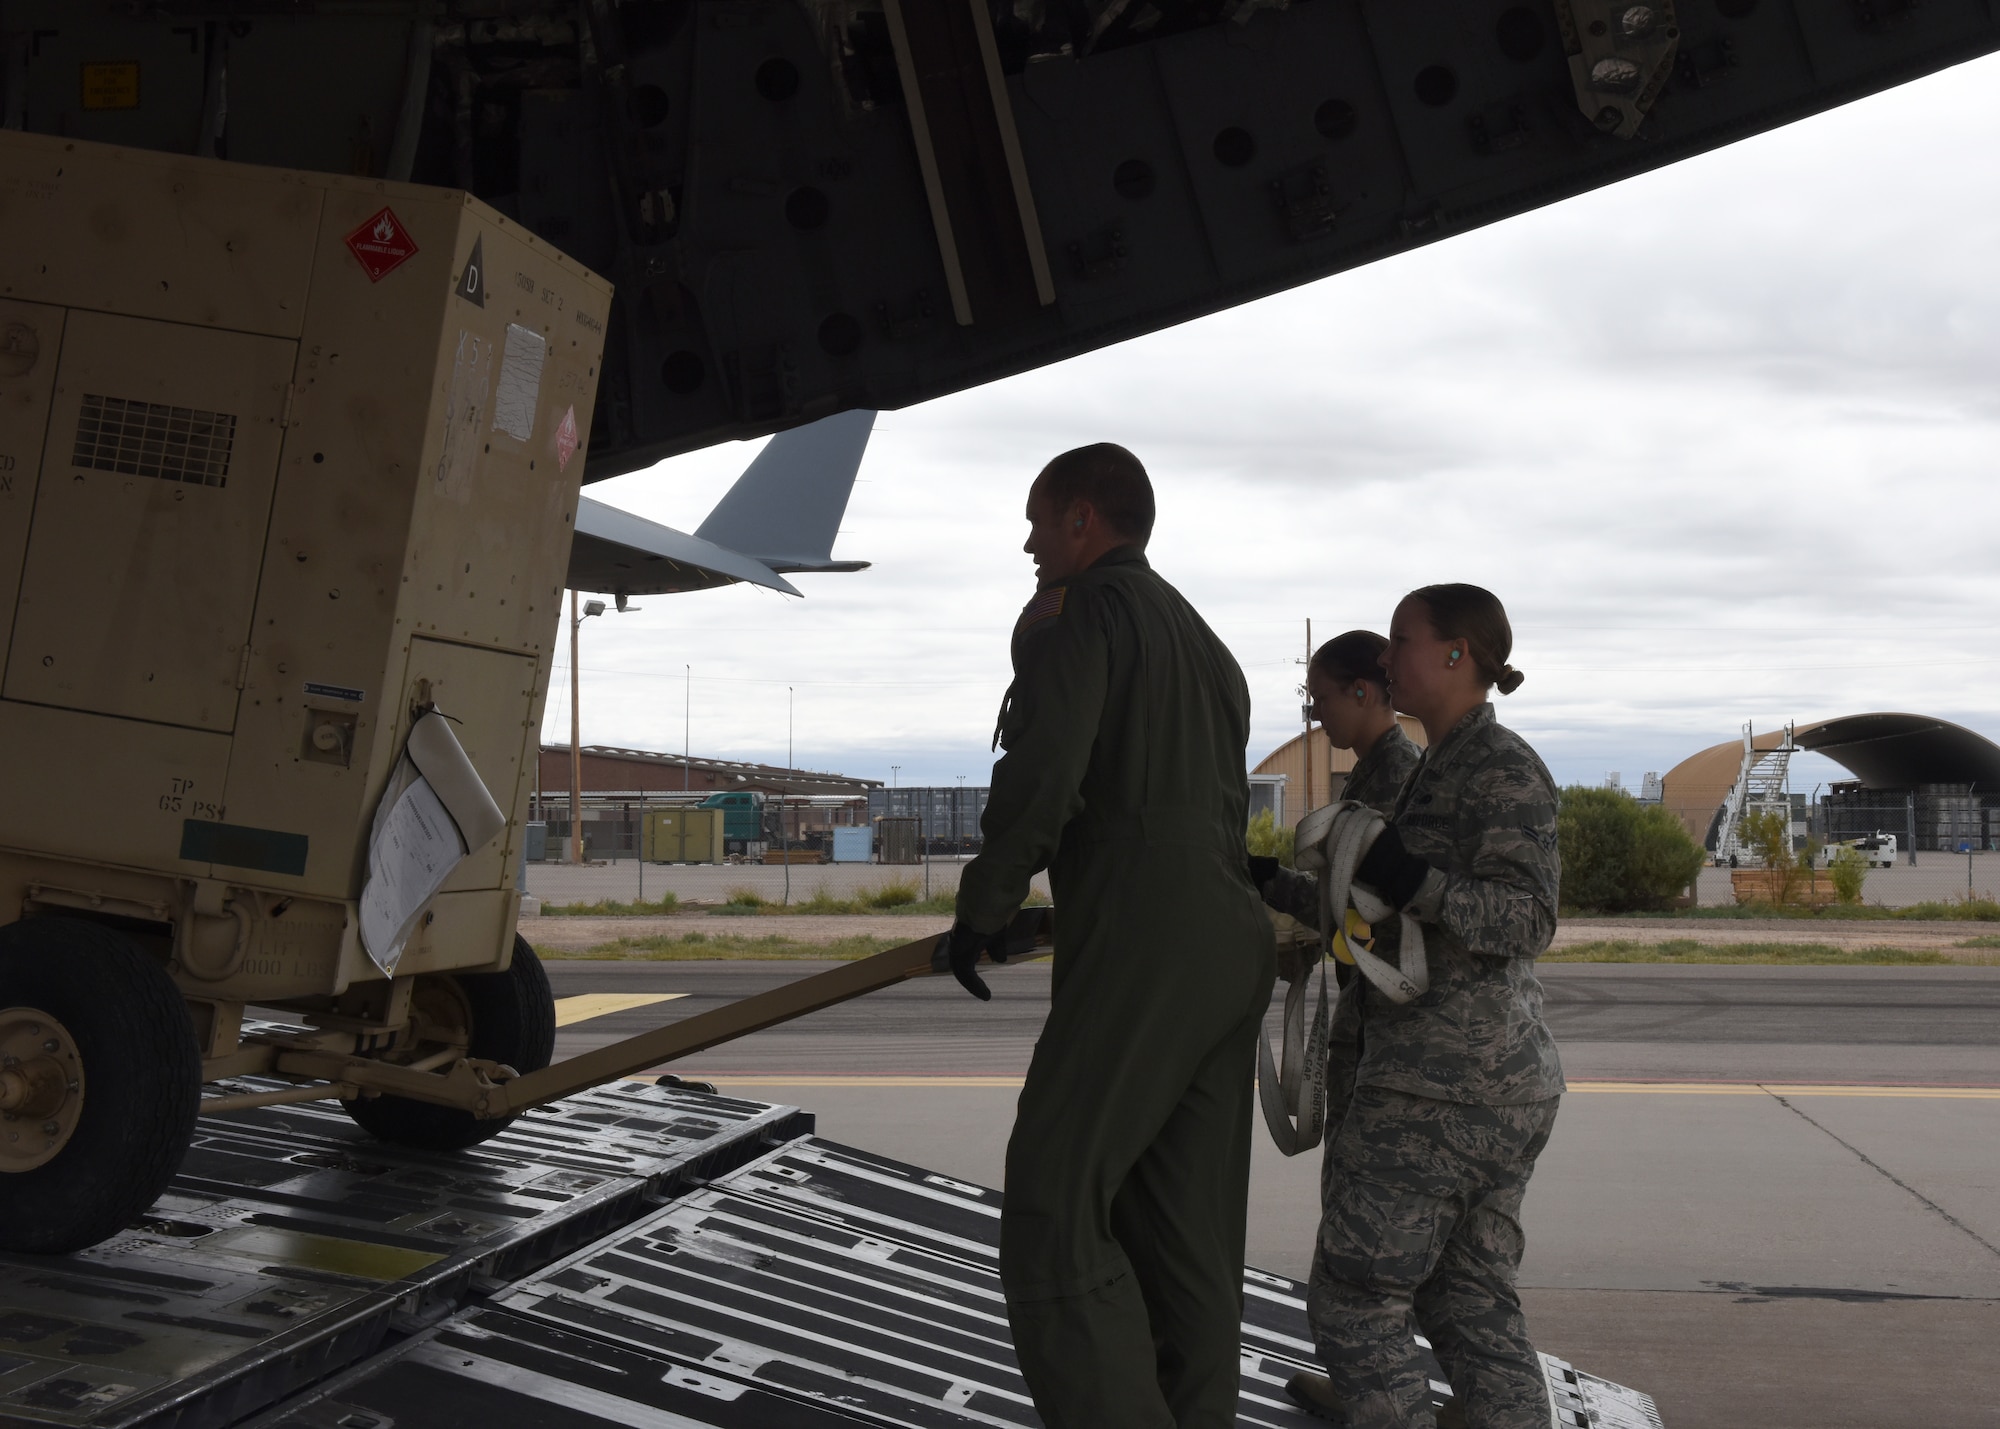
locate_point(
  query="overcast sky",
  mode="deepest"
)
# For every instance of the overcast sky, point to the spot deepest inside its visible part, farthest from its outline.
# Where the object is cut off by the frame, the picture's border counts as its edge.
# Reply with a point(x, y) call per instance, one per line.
point(1723, 438)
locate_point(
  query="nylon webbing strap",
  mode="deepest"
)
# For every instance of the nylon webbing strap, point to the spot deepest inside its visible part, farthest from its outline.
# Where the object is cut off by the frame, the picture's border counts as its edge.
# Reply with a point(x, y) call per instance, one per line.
point(1332, 842)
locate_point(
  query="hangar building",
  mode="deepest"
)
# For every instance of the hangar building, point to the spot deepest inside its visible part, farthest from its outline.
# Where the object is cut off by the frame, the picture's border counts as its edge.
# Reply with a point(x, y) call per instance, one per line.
point(1932, 783)
point(1285, 768)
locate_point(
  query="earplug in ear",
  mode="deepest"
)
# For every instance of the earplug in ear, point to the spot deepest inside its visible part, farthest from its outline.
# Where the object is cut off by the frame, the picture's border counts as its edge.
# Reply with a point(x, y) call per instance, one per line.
point(1454, 658)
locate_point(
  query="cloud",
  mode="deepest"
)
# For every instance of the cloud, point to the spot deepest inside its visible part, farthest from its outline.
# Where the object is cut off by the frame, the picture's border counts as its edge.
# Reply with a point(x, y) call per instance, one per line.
point(1723, 437)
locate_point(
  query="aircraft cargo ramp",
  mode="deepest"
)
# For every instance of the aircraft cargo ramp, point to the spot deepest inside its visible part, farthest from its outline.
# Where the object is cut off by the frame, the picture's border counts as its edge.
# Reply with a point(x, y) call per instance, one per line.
point(637, 1255)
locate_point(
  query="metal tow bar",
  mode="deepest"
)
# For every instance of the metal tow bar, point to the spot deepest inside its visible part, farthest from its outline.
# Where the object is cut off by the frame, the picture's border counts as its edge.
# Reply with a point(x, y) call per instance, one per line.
point(1030, 930)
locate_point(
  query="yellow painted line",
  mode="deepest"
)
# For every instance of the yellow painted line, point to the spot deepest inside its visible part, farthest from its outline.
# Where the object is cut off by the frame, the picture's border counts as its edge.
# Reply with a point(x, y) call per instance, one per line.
point(572, 1010)
point(1683, 1089)
point(807, 1081)
point(1783, 1089)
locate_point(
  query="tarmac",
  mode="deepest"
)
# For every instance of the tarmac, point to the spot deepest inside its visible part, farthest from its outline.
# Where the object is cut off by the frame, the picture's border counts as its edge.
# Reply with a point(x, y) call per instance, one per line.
point(1770, 1199)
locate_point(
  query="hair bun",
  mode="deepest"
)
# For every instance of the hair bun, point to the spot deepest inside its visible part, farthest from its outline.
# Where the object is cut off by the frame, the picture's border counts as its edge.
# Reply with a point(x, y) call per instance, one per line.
point(1510, 680)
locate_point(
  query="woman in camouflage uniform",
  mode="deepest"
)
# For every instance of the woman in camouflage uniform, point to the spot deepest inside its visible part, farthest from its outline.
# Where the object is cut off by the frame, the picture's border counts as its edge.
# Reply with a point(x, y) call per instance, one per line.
point(1350, 699)
point(1455, 1092)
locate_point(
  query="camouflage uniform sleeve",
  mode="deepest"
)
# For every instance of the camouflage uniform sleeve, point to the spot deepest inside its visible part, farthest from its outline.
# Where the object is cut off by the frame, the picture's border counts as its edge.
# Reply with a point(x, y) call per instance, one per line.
point(1061, 673)
point(1294, 893)
point(1499, 898)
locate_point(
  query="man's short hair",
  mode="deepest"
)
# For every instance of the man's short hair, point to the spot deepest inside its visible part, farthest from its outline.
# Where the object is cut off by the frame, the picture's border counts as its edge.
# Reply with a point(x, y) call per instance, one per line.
point(1111, 480)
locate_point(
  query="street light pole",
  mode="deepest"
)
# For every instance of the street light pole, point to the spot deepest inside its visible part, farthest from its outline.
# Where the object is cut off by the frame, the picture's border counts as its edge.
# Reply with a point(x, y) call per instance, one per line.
point(595, 607)
point(575, 741)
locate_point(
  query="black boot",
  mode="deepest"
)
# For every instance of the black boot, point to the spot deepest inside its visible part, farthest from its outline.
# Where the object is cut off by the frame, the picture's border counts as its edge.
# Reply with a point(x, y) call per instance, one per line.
point(1314, 1394)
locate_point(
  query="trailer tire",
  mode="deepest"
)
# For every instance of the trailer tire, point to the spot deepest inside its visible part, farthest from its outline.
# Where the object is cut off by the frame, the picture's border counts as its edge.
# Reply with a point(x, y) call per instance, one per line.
point(513, 1015)
point(114, 1016)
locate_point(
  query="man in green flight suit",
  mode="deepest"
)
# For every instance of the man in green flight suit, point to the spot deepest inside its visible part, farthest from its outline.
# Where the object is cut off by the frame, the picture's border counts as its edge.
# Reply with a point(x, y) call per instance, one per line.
point(1121, 1237)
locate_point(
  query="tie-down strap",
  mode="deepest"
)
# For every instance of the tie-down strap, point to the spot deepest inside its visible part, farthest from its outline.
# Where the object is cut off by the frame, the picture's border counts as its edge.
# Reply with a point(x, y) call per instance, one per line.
point(1331, 842)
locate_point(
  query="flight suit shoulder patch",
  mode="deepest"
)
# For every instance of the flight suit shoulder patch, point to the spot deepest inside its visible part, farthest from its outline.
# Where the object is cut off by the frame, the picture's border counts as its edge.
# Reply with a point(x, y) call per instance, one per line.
point(1045, 609)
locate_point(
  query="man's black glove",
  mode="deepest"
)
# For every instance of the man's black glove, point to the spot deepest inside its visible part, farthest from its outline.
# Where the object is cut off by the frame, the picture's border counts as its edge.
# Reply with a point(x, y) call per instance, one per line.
point(962, 947)
point(1262, 870)
point(1392, 870)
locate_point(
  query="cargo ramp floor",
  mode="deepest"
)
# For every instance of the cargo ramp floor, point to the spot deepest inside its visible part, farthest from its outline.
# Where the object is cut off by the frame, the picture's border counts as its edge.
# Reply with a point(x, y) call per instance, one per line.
point(634, 1256)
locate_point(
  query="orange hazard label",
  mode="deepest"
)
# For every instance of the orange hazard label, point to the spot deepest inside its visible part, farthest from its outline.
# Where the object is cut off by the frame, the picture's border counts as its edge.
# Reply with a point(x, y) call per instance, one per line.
point(381, 245)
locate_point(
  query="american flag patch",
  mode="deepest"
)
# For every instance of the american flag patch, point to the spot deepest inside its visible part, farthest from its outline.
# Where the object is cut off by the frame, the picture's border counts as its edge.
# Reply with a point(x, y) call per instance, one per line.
point(1045, 606)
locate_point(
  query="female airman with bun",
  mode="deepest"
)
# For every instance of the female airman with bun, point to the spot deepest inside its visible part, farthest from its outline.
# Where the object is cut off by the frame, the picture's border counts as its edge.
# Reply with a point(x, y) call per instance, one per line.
point(1454, 1092)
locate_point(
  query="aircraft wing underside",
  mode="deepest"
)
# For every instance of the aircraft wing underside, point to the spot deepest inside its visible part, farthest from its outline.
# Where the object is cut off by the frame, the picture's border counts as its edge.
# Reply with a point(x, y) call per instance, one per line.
point(809, 206)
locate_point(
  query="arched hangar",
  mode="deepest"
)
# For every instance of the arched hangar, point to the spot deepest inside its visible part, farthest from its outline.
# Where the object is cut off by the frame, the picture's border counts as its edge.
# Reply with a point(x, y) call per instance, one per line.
point(1924, 779)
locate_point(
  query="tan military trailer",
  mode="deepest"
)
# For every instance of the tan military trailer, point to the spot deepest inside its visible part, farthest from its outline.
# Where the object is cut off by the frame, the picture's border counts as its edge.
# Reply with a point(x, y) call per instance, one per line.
point(288, 461)
point(289, 468)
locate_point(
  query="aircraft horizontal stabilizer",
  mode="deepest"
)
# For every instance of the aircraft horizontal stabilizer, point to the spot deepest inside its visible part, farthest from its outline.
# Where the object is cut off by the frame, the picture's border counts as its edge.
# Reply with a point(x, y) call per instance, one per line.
point(780, 516)
point(621, 554)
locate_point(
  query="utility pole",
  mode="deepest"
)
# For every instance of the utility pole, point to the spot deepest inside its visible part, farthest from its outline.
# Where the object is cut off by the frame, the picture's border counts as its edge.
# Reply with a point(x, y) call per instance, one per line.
point(687, 706)
point(791, 759)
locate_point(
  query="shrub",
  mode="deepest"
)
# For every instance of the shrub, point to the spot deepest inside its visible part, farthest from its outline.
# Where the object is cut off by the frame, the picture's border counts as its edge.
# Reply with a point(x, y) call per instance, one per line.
point(1267, 840)
point(1768, 832)
point(890, 895)
point(1621, 856)
point(1847, 868)
point(823, 901)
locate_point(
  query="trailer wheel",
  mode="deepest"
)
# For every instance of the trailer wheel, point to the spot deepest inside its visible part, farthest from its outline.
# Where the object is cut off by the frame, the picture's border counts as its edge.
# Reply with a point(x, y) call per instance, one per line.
point(99, 1083)
point(505, 1017)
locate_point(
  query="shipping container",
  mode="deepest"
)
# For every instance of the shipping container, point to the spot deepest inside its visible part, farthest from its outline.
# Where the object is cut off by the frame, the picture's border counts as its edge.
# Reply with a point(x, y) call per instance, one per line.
point(682, 836)
point(898, 840)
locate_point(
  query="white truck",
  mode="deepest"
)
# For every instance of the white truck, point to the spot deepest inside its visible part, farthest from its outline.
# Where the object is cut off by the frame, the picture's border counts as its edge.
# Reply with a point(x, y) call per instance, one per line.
point(1877, 850)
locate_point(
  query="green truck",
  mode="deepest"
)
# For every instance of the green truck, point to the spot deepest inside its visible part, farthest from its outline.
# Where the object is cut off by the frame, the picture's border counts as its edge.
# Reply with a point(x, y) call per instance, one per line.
point(746, 827)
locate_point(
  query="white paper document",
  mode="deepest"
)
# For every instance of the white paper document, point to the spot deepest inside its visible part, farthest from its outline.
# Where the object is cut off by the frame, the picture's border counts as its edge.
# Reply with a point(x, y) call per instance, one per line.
point(435, 811)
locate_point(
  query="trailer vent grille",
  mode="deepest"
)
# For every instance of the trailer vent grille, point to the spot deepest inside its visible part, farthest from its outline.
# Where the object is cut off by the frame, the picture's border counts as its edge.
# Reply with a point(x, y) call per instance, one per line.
point(154, 439)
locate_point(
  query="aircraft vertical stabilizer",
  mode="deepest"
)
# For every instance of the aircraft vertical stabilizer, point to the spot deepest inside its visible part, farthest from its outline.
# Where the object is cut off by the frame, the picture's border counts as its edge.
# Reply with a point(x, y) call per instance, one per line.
point(785, 509)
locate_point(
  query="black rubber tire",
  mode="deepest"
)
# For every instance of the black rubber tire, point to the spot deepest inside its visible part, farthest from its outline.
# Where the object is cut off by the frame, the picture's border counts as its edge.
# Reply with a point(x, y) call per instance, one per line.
point(513, 1021)
point(141, 1082)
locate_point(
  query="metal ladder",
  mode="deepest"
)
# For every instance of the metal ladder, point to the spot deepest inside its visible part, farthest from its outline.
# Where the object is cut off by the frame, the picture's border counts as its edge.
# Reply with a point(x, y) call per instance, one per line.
point(1761, 781)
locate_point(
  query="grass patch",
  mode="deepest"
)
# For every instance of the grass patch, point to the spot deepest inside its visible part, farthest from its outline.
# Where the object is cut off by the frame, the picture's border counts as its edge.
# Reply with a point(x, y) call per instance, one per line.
point(1984, 940)
point(653, 907)
point(743, 903)
point(898, 896)
point(1688, 950)
point(1970, 910)
point(690, 947)
point(1954, 910)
